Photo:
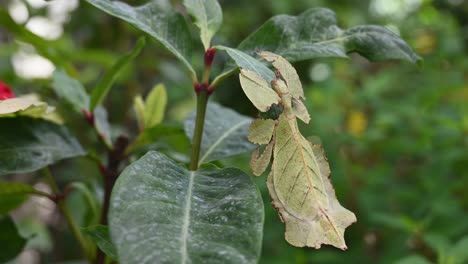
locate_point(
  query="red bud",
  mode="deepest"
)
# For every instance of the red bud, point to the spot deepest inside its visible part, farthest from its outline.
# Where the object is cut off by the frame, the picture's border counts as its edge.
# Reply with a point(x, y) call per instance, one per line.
point(5, 91)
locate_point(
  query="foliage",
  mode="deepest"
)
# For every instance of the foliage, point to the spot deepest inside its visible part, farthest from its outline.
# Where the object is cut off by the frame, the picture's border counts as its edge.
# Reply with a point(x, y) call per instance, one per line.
point(395, 135)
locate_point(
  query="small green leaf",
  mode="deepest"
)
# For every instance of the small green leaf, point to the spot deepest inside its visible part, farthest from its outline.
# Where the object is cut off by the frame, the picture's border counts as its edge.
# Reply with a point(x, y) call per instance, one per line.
point(150, 135)
point(224, 133)
point(13, 194)
point(12, 243)
point(163, 213)
point(28, 144)
point(315, 33)
point(246, 61)
point(257, 90)
point(261, 131)
point(208, 18)
point(155, 105)
point(158, 19)
point(70, 90)
point(102, 124)
point(90, 198)
point(103, 87)
point(101, 236)
point(139, 108)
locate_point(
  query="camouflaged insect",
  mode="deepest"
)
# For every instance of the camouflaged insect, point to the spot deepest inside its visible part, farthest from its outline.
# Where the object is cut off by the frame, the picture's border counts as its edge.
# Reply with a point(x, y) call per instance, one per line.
point(298, 181)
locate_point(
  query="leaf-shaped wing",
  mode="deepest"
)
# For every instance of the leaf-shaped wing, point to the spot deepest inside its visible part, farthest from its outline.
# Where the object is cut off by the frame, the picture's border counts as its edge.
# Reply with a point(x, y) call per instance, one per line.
point(261, 131)
point(259, 163)
point(301, 191)
point(300, 111)
point(287, 71)
point(257, 90)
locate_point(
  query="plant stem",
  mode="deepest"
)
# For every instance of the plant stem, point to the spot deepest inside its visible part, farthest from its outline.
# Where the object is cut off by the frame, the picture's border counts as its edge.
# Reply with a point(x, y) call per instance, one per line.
point(202, 101)
point(66, 213)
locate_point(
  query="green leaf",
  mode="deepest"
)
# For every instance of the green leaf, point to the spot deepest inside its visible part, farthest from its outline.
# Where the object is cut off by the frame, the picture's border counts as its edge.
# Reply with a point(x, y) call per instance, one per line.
point(163, 213)
point(139, 108)
point(103, 87)
point(224, 133)
point(246, 61)
point(101, 236)
point(12, 243)
point(102, 125)
point(155, 105)
point(150, 135)
point(459, 251)
point(315, 33)
point(13, 194)
point(157, 19)
point(208, 18)
point(28, 144)
point(70, 90)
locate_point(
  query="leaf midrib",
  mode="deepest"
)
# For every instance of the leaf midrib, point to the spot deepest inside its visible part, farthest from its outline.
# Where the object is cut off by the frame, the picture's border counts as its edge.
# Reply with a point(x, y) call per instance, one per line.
point(186, 219)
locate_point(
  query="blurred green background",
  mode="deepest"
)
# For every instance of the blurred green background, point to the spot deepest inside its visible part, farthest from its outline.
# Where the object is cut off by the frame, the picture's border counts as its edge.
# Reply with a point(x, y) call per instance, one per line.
point(396, 136)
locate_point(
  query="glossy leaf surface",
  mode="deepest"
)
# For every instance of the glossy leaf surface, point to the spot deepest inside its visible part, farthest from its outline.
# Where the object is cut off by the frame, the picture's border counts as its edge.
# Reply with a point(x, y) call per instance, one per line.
point(28, 144)
point(224, 133)
point(158, 19)
point(163, 213)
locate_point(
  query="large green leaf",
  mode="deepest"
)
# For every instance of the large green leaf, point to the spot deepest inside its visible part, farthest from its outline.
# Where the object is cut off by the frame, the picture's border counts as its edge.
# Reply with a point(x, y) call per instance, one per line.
point(224, 133)
point(158, 19)
point(12, 243)
point(163, 213)
point(104, 86)
point(101, 236)
point(13, 194)
point(315, 33)
point(28, 144)
point(208, 17)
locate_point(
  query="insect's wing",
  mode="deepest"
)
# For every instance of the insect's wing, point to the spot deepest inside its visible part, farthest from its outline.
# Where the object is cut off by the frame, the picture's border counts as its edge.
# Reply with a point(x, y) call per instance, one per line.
point(300, 110)
point(257, 90)
point(287, 71)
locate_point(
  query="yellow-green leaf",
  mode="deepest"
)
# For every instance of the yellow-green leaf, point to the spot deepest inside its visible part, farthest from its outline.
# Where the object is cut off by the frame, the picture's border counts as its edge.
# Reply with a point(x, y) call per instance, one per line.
point(139, 107)
point(257, 90)
point(261, 131)
point(155, 105)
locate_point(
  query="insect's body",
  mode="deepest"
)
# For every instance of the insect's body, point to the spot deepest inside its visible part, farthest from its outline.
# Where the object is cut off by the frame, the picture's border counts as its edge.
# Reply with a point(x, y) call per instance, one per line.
point(298, 182)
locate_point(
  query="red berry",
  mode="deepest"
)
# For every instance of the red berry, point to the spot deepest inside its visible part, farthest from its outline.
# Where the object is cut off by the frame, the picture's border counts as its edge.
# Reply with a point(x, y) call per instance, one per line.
point(5, 91)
